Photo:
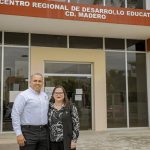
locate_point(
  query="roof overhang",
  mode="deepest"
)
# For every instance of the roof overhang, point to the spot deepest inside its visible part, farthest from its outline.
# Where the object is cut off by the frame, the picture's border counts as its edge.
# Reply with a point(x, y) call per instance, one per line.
point(12, 23)
point(67, 27)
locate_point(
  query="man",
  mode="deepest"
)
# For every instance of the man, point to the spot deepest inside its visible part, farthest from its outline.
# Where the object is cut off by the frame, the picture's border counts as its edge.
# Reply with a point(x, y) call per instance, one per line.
point(29, 116)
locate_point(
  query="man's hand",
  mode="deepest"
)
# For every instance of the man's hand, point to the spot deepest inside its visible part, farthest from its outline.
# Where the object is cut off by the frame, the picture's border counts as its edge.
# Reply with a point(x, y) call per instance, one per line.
point(21, 140)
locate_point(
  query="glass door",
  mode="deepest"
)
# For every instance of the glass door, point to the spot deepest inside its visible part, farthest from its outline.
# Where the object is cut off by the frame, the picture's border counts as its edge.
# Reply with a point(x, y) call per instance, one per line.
point(78, 87)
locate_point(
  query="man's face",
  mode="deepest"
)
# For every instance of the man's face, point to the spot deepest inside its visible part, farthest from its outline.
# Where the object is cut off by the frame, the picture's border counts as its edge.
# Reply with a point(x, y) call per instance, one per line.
point(36, 83)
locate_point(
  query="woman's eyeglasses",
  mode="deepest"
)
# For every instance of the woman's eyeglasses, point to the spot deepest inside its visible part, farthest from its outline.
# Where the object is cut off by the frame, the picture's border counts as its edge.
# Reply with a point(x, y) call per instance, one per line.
point(58, 93)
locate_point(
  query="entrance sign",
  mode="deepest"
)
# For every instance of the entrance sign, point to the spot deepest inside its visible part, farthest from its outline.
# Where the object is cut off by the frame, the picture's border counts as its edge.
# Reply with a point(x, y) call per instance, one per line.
point(79, 91)
point(72, 11)
point(78, 97)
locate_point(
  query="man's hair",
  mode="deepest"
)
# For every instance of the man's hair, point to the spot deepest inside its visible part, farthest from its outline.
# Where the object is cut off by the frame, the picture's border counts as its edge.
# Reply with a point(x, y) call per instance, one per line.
point(39, 74)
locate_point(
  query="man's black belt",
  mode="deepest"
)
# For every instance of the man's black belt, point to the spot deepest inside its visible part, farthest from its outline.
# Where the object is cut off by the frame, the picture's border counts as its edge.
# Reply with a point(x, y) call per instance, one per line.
point(34, 126)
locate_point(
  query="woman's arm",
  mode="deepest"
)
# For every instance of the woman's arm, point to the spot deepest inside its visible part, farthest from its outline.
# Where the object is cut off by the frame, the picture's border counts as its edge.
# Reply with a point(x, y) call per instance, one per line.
point(76, 126)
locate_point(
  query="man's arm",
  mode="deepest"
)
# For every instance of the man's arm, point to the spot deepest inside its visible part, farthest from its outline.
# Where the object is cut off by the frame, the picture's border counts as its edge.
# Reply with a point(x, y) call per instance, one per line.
point(17, 110)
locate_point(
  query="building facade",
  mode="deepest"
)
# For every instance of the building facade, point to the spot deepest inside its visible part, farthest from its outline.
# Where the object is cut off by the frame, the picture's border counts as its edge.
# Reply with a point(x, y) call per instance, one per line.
point(97, 49)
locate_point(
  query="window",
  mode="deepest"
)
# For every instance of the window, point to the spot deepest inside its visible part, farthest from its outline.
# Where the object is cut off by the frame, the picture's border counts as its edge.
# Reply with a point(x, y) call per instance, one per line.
point(115, 3)
point(11, 38)
point(15, 79)
point(114, 44)
point(82, 1)
point(137, 86)
point(85, 42)
point(67, 68)
point(135, 79)
point(116, 91)
point(135, 45)
point(140, 4)
point(48, 40)
point(98, 2)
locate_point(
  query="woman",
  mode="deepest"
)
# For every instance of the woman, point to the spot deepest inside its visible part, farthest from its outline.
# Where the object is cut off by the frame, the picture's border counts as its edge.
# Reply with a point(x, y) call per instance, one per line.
point(63, 121)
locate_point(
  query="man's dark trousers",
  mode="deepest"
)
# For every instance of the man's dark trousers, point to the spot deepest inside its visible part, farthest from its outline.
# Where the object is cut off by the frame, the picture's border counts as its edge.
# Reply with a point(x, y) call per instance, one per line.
point(36, 137)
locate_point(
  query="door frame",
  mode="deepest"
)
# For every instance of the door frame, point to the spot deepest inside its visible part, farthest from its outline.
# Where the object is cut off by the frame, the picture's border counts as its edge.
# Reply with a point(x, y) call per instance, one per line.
point(76, 75)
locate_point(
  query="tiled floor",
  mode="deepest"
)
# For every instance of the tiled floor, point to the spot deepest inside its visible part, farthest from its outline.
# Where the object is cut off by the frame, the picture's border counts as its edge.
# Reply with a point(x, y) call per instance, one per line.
point(133, 139)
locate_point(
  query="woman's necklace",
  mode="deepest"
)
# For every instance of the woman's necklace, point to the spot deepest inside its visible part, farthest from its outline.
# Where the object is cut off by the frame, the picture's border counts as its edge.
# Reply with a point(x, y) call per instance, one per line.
point(58, 107)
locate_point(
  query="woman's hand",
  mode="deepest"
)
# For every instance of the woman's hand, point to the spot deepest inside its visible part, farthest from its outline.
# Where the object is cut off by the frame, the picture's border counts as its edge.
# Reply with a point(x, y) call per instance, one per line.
point(73, 145)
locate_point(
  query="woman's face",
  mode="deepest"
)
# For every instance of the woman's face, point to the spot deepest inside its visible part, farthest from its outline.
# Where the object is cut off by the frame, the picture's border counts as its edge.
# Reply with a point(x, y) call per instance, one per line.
point(58, 95)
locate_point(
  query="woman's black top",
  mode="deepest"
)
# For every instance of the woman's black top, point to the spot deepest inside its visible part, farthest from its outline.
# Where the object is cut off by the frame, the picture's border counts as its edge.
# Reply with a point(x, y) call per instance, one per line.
point(63, 123)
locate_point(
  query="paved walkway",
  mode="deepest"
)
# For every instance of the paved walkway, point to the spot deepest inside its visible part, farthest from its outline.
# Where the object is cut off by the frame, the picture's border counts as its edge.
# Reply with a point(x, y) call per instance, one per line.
point(115, 140)
point(131, 139)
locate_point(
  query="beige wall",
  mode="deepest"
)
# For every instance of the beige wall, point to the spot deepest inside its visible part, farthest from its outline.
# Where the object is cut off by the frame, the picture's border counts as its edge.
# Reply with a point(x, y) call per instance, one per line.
point(96, 57)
